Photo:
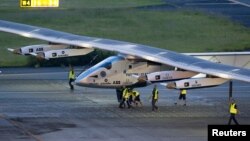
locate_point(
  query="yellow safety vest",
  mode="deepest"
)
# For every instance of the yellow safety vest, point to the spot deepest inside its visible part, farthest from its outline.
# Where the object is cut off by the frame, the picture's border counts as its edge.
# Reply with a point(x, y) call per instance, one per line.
point(155, 92)
point(125, 93)
point(184, 92)
point(126, 96)
point(71, 75)
point(136, 93)
point(233, 110)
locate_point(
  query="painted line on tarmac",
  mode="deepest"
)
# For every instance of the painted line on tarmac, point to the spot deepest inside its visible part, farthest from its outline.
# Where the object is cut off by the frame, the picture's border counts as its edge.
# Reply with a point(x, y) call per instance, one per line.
point(79, 91)
point(46, 92)
point(240, 3)
point(19, 126)
point(202, 4)
point(39, 73)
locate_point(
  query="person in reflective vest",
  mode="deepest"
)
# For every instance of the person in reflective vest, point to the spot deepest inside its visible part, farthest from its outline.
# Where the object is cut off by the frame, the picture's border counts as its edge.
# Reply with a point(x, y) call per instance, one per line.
point(136, 98)
point(233, 110)
point(130, 96)
point(155, 97)
point(182, 95)
point(125, 97)
point(71, 77)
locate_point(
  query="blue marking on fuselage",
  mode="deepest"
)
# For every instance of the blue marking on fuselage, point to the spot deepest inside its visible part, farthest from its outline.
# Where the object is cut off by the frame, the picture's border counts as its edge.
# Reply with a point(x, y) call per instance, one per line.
point(103, 64)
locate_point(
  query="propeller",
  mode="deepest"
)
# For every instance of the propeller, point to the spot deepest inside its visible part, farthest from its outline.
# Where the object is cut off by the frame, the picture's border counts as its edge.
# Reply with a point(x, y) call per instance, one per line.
point(141, 78)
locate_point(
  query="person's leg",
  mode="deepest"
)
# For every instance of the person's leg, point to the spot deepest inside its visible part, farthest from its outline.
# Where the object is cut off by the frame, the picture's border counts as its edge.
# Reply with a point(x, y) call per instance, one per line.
point(178, 101)
point(184, 98)
point(70, 82)
point(122, 103)
point(72, 86)
point(153, 105)
point(130, 100)
point(128, 103)
point(230, 119)
point(156, 107)
point(235, 121)
point(139, 101)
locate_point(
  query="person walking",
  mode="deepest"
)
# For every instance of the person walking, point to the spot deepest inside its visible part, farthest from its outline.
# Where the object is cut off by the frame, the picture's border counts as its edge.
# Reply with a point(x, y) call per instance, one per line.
point(183, 94)
point(233, 110)
point(125, 98)
point(155, 97)
point(71, 77)
point(137, 99)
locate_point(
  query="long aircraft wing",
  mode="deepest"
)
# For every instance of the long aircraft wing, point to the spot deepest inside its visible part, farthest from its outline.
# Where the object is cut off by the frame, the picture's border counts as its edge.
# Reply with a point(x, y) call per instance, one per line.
point(146, 52)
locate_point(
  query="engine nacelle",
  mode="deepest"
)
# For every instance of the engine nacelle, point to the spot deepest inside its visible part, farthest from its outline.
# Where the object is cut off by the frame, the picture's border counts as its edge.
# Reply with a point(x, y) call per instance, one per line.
point(47, 51)
point(195, 83)
point(169, 75)
point(64, 53)
point(35, 49)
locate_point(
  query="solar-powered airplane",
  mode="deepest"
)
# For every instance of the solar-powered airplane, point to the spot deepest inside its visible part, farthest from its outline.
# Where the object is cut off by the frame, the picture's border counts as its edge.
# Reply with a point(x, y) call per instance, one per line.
point(134, 65)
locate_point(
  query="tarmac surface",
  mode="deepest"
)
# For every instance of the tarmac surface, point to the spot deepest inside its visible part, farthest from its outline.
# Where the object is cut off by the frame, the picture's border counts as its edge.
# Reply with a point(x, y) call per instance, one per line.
point(36, 104)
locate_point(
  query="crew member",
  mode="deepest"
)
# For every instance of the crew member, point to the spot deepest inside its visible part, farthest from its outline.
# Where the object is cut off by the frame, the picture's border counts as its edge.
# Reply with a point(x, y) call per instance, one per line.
point(125, 97)
point(130, 96)
point(71, 77)
point(233, 111)
point(183, 94)
point(137, 99)
point(155, 97)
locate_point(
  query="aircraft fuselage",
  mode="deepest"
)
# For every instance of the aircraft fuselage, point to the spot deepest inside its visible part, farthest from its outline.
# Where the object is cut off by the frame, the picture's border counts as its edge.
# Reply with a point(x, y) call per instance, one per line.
point(117, 71)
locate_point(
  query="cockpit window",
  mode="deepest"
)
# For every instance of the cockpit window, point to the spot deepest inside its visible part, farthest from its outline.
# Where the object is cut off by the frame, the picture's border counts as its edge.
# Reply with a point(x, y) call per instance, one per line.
point(107, 63)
